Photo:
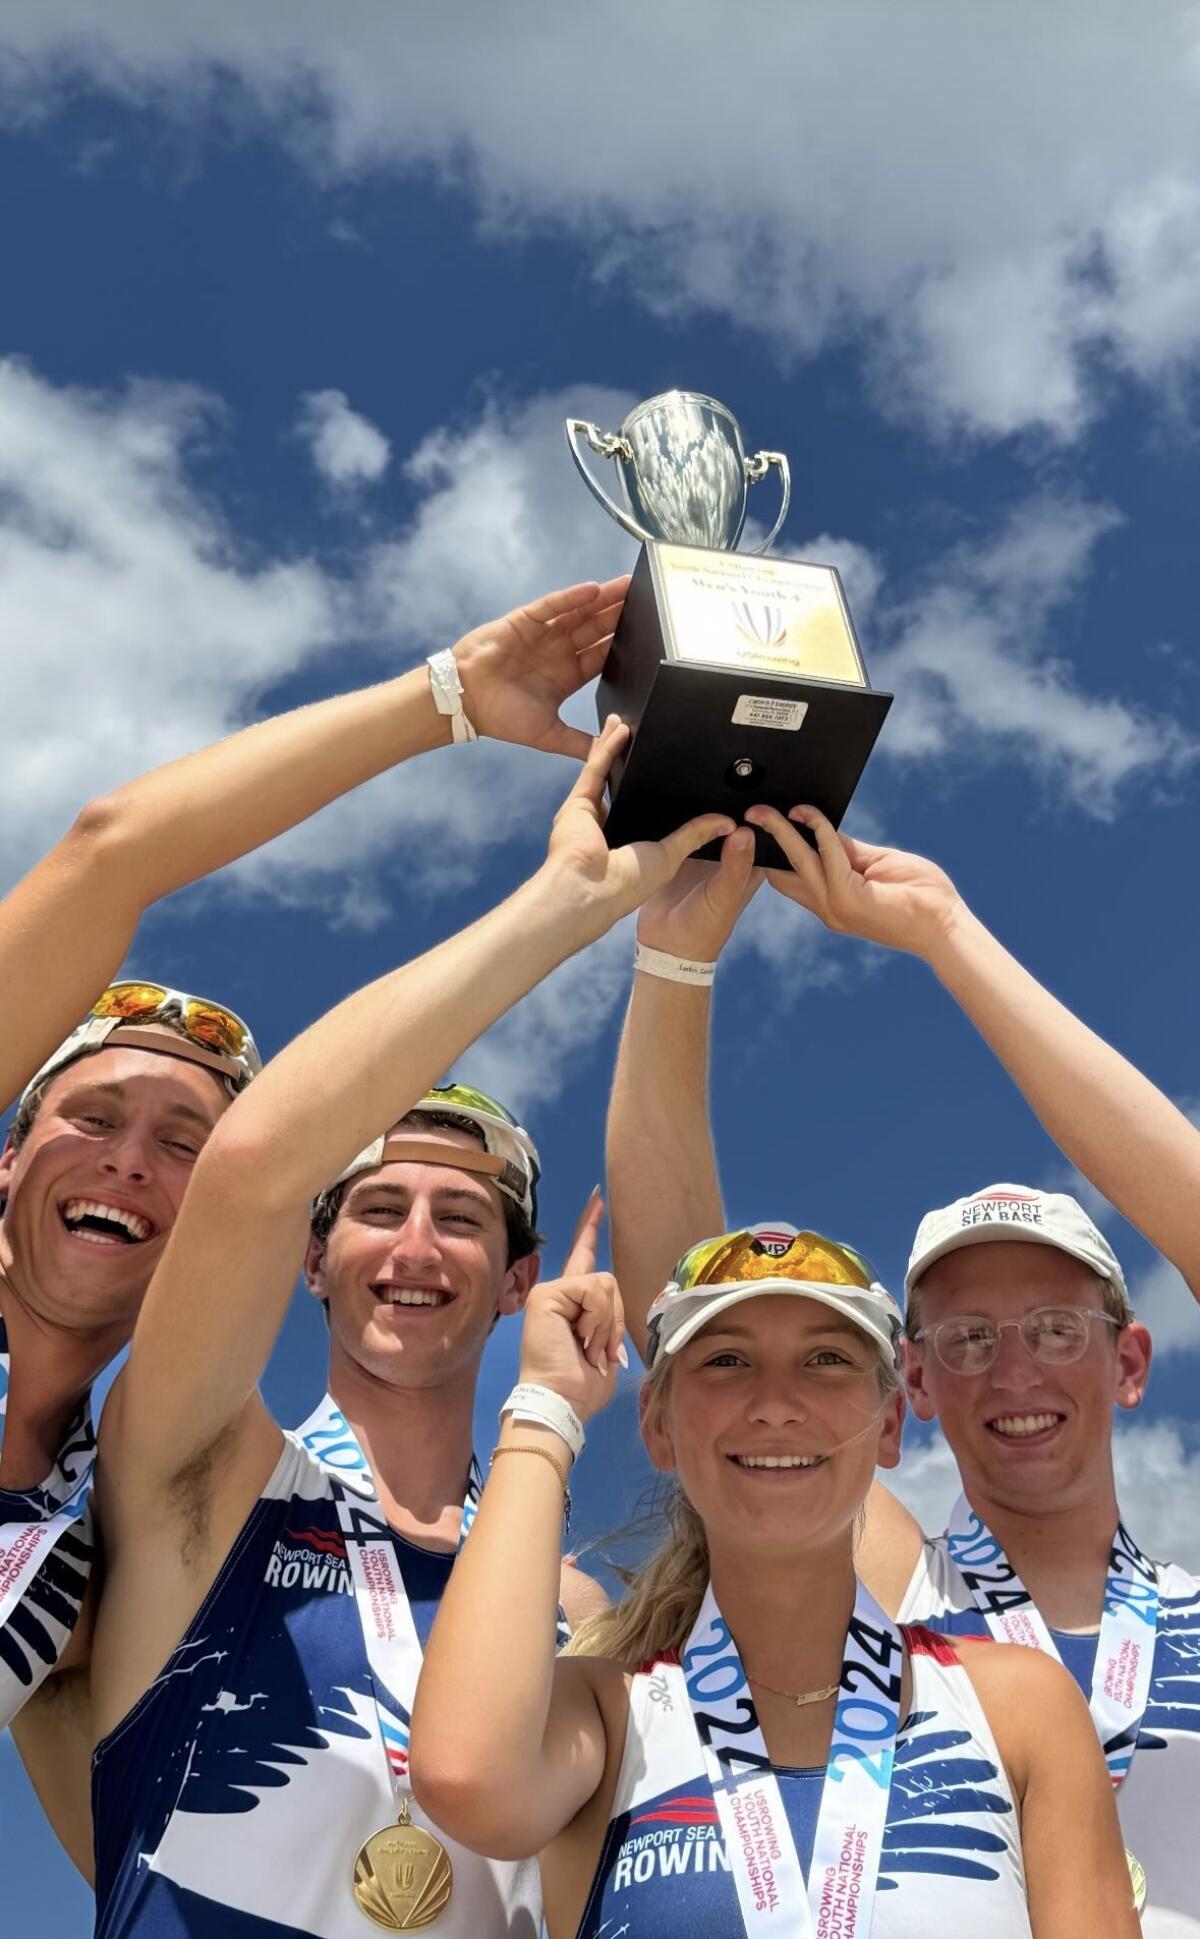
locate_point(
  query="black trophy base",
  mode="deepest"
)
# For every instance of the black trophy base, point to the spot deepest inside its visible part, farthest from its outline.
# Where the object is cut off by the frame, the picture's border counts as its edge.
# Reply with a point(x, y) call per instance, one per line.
point(689, 755)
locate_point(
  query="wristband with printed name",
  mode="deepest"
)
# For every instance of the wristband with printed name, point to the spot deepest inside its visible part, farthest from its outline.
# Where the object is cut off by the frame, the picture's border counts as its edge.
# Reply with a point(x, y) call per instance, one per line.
point(528, 1402)
point(447, 694)
point(675, 969)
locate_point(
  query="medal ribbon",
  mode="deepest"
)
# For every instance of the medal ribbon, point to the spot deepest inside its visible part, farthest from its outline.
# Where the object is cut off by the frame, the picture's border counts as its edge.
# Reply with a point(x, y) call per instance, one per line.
point(839, 1896)
point(57, 1505)
point(389, 1633)
point(1128, 1628)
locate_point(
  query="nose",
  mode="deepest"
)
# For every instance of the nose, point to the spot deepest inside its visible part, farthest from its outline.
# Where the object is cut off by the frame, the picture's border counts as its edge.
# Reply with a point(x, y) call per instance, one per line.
point(127, 1156)
point(776, 1400)
point(415, 1242)
point(1014, 1370)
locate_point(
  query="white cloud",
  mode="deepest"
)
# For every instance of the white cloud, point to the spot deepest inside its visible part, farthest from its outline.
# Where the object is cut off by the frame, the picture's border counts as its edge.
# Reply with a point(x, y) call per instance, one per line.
point(501, 514)
point(346, 448)
point(1163, 1302)
point(133, 626)
point(1023, 220)
point(527, 1058)
point(123, 588)
point(926, 1481)
point(1160, 1295)
point(976, 674)
point(1158, 1485)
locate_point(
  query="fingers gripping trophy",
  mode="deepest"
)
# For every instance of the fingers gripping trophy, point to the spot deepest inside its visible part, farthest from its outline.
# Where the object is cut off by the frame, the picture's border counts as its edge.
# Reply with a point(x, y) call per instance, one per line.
point(741, 677)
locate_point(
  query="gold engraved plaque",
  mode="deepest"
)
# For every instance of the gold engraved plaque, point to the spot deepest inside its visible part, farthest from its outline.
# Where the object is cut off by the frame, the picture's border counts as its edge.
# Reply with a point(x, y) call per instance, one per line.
point(403, 1876)
point(782, 616)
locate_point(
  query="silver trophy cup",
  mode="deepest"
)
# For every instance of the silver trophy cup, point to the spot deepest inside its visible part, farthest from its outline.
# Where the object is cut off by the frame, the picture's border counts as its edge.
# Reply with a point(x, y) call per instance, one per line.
point(684, 471)
point(740, 677)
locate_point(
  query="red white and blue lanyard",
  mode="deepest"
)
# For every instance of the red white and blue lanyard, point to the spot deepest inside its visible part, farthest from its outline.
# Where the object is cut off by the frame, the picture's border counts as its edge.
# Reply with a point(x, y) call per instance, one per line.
point(61, 1501)
point(1128, 1627)
point(390, 1637)
point(837, 1900)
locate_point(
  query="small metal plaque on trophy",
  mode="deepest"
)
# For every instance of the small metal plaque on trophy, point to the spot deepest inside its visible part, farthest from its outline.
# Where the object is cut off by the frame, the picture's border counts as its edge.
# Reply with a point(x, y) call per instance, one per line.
point(740, 676)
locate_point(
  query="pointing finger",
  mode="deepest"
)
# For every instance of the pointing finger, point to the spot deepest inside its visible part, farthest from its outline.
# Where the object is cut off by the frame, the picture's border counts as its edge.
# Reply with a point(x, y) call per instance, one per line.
point(581, 1258)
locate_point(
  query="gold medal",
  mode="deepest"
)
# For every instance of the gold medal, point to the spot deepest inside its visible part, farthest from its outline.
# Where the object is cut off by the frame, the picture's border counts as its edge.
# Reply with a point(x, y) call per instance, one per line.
point(402, 1876)
point(1138, 1879)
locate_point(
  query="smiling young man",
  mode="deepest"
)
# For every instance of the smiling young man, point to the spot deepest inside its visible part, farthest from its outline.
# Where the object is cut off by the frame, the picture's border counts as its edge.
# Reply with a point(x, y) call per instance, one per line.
point(1021, 1338)
point(109, 1128)
point(267, 1593)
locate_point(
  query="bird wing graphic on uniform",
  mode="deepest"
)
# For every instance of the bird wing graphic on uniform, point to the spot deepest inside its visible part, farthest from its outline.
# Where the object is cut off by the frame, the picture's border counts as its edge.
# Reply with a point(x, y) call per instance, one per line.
point(931, 1786)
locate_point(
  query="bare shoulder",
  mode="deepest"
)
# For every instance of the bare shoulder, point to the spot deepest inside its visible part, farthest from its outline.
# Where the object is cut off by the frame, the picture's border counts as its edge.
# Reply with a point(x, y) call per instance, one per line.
point(580, 1594)
point(1002, 1672)
point(1030, 1701)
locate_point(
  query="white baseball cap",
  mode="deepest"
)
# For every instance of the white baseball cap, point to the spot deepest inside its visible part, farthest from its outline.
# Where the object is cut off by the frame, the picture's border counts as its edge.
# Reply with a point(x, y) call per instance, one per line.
point(718, 1273)
point(1014, 1212)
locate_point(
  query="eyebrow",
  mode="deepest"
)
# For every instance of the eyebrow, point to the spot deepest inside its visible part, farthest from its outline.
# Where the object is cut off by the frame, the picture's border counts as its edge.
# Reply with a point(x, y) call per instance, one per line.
point(400, 1193)
point(110, 1088)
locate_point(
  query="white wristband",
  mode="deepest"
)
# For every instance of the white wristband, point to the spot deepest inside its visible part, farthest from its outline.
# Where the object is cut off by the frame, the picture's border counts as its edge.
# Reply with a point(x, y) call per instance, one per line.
point(530, 1403)
point(447, 694)
point(675, 969)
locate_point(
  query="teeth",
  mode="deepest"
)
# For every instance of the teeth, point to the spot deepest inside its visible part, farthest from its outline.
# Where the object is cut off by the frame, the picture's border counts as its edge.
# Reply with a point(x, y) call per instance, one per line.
point(413, 1296)
point(77, 1209)
point(777, 1460)
point(1014, 1425)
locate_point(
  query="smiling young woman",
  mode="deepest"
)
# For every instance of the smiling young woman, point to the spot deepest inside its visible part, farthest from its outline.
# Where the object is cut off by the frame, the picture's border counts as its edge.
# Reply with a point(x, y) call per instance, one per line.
point(747, 1734)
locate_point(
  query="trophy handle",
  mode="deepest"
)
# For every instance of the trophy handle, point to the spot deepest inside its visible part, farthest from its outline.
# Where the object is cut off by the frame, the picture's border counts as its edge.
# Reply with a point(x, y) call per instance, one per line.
point(606, 445)
point(757, 468)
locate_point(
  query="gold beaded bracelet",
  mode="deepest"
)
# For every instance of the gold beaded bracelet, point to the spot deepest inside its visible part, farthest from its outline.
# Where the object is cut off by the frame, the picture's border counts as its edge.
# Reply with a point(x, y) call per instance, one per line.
point(544, 1454)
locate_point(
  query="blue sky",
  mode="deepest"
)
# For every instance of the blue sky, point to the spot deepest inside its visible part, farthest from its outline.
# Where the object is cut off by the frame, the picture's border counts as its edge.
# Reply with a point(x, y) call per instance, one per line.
point(293, 312)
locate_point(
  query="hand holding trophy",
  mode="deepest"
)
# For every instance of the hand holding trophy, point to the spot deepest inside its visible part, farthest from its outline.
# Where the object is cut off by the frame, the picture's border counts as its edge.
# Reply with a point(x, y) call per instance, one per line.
point(740, 677)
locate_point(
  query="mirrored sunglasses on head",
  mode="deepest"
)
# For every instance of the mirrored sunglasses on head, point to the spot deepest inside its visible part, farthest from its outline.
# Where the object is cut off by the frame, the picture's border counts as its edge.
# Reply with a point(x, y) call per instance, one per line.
point(211, 1025)
point(763, 1252)
point(467, 1098)
point(1053, 1335)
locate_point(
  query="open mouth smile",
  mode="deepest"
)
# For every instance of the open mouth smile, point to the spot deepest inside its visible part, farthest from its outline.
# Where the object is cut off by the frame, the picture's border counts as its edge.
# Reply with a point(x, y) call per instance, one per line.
point(1026, 1429)
point(776, 1463)
point(102, 1224)
point(412, 1296)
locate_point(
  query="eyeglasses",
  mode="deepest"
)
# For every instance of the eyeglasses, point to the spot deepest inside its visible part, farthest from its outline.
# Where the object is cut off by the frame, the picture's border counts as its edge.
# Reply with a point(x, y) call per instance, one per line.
point(210, 1025)
point(1052, 1335)
point(765, 1254)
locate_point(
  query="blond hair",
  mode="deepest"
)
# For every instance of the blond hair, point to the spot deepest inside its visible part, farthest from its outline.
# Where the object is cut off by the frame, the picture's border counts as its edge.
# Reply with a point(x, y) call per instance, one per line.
point(663, 1598)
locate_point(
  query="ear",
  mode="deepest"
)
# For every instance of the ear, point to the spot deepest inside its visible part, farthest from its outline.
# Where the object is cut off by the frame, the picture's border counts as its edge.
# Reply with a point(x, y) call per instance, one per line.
point(913, 1367)
point(652, 1419)
point(890, 1429)
point(8, 1159)
point(519, 1282)
point(1134, 1351)
point(314, 1266)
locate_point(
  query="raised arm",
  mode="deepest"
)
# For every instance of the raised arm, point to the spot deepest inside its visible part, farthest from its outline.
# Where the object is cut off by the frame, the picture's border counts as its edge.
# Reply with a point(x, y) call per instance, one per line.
point(507, 1743)
point(662, 1170)
point(221, 1288)
point(65, 929)
point(1111, 1122)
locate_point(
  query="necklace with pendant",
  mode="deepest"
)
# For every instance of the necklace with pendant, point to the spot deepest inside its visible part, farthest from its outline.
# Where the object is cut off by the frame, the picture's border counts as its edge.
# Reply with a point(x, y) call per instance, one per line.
point(798, 1697)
